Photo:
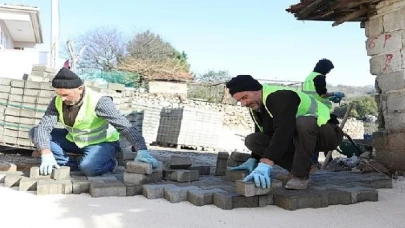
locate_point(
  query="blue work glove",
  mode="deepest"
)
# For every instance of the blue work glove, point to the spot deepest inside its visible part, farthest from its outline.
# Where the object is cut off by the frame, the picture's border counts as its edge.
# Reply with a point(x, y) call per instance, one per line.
point(334, 99)
point(339, 95)
point(261, 176)
point(144, 156)
point(47, 163)
point(248, 165)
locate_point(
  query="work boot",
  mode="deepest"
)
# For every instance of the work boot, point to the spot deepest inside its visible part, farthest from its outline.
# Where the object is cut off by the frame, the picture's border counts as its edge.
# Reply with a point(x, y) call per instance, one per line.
point(297, 183)
point(314, 168)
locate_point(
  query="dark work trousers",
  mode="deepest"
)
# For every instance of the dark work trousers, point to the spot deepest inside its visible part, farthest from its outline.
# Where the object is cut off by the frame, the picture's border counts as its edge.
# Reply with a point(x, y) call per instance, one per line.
point(308, 138)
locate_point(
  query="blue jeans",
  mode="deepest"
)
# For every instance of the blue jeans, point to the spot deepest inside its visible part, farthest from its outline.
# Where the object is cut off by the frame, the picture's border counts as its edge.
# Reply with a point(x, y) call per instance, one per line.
point(96, 159)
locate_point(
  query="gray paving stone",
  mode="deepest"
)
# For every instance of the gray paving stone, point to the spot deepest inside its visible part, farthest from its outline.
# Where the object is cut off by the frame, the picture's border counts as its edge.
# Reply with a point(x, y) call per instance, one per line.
point(139, 167)
point(202, 197)
point(134, 190)
point(61, 174)
point(179, 162)
point(177, 194)
point(12, 180)
point(202, 169)
point(28, 184)
point(100, 189)
point(235, 175)
point(229, 201)
point(3, 174)
point(80, 184)
point(47, 187)
point(132, 179)
point(249, 189)
point(155, 191)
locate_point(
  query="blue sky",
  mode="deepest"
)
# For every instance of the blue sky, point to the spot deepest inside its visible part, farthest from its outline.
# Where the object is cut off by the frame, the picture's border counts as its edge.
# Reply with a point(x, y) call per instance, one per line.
point(256, 37)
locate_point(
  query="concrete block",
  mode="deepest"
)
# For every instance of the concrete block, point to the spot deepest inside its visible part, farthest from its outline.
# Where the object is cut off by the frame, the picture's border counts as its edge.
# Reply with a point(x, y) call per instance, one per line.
point(12, 180)
point(34, 92)
point(202, 169)
point(5, 81)
point(395, 100)
point(5, 88)
point(102, 178)
point(180, 175)
point(154, 177)
point(132, 179)
point(239, 157)
point(177, 194)
point(235, 175)
point(32, 85)
point(265, 200)
point(16, 91)
point(7, 166)
point(62, 173)
point(47, 187)
point(80, 184)
point(3, 174)
point(179, 162)
point(139, 167)
point(34, 172)
point(229, 201)
point(28, 184)
point(17, 83)
point(293, 200)
point(394, 121)
point(361, 194)
point(202, 197)
point(134, 190)
point(249, 189)
point(335, 196)
point(222, 163)
point(384, 43)
point(127, 155)
point(155, 191)
point(394, 20)
point(374, 27)
point(100, 189)
point(386, 63)
point(391, 81)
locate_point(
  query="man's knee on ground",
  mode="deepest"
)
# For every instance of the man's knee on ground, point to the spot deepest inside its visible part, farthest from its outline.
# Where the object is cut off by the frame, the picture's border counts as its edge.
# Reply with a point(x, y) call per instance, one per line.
point(88, 169)
point(305, 123)
point(250, 141)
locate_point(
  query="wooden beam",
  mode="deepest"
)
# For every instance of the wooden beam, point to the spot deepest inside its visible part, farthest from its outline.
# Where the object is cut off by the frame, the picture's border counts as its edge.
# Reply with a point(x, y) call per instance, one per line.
point(310, 7)
point(350, 16)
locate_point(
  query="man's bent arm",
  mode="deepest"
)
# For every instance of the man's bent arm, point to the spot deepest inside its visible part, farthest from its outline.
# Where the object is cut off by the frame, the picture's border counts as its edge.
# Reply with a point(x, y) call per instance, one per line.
point(106, 109)
point(42, 133)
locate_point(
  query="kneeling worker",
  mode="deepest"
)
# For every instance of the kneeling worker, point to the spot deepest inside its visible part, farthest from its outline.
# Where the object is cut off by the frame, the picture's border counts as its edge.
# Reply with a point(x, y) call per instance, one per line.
point(292, 126)
point(92, 127)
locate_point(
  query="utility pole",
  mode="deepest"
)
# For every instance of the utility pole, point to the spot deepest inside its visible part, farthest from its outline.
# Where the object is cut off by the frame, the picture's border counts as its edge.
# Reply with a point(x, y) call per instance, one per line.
point(55, 34)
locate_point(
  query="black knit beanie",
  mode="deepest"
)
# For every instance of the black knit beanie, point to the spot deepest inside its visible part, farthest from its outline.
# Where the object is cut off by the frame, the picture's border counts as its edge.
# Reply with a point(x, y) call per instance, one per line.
point(242, 83)
point(66, 79)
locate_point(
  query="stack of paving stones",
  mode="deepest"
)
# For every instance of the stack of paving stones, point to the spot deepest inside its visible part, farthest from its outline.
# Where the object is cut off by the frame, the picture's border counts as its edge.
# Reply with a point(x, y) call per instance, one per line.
point(150, 121)
point(189, 127)
point(327, 188)
point(41, 73)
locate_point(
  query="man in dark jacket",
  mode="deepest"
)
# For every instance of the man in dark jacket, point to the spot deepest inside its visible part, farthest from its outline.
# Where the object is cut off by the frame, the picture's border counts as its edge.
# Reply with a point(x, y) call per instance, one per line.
point(291, 127)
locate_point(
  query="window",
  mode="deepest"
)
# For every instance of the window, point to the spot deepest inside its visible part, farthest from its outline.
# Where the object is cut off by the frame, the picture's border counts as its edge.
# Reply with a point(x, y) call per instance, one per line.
point(3, 39)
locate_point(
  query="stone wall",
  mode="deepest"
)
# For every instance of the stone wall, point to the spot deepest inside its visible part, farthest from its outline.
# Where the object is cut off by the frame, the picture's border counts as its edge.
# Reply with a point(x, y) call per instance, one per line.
point(385, 41)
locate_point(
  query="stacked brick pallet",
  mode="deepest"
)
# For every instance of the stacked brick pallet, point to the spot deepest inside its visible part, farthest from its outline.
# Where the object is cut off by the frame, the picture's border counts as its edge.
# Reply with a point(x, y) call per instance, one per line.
point(190, 127)
point(41, 73)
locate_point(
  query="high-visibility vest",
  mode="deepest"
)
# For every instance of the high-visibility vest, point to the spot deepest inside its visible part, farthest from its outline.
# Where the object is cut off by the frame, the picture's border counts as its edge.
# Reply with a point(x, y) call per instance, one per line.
point(88, 128)
point(309, 88)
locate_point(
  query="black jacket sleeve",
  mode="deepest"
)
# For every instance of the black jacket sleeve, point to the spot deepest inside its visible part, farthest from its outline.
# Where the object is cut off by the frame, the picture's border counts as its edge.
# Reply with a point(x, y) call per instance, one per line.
point(283, 105)
point(320, 84)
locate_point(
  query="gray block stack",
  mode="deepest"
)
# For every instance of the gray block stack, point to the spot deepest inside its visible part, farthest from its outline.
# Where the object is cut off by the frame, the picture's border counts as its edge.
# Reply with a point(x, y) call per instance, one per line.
point(41, 73)
point(190, 127)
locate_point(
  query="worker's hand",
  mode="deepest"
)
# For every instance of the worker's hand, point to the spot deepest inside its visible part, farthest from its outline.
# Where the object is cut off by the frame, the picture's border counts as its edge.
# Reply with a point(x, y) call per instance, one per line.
point(261, 176)
point(339, 95)
point(144, 156)
point(334, 99)
point(47, 163)
point(248, 165)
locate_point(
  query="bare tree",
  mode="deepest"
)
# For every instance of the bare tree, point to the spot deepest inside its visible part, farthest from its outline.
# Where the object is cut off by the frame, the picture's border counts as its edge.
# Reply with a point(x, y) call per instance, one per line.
point(155, 59)
point(105, 47)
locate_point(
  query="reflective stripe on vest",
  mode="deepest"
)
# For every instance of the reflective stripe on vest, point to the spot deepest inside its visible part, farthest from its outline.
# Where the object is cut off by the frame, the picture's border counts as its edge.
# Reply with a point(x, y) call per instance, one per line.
point(254, 119)
point(88, 128)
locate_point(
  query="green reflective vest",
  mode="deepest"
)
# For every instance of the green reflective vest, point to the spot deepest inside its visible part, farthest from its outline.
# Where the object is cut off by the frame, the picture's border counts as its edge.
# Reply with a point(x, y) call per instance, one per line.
point(309, 88)
point(307, 107)
point(88, 128)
